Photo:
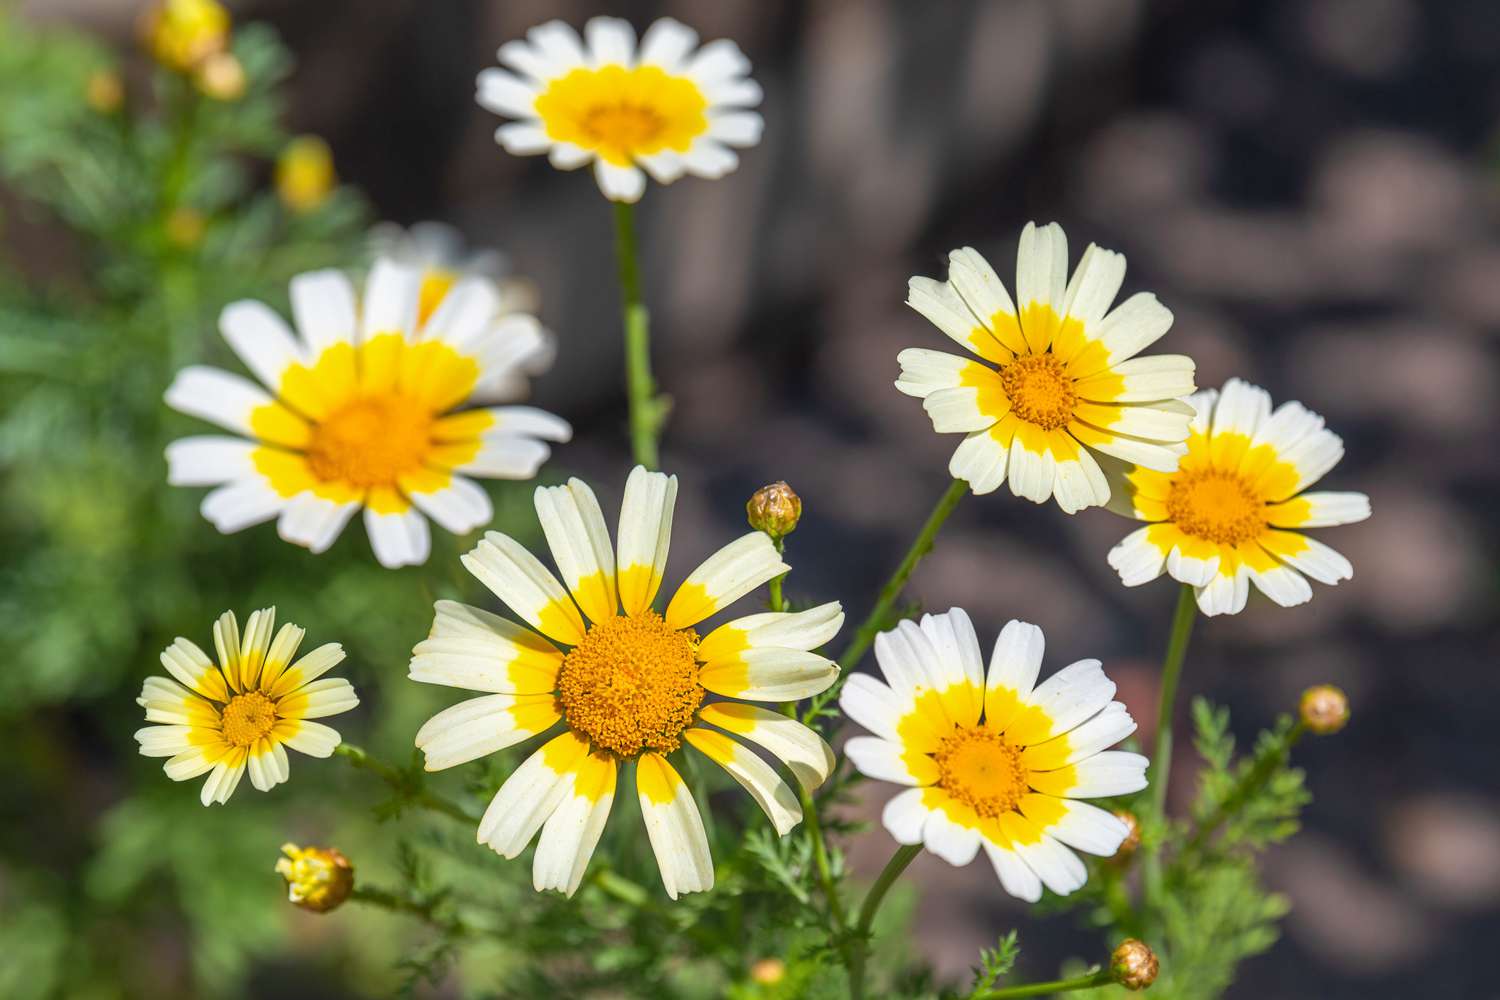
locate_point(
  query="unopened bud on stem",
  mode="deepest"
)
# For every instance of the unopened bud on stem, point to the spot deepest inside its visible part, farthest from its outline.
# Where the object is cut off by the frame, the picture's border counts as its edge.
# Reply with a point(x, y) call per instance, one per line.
point(768, 971)
point(1324, 709)
point(317, 878)
point(774, 509)
point(1133, 964)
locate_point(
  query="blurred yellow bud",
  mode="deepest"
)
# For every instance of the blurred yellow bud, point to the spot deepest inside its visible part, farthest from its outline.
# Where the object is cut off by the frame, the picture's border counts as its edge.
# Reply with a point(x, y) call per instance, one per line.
point(774, 509)
point(317, 878)
point(768, 971)
point(1134, 965)
point(105, 92)
point(304, 173)
point(1132, 841)
point(221, 77)
point(180, 34)
point(1324, 709)
point(184, 227)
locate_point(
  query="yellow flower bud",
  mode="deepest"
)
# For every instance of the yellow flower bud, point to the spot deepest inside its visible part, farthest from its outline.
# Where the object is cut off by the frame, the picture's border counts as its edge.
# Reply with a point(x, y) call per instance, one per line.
point(105, 92)
point(304, 173)
point(180, 34)
point(221, 76)
point(317, 878)
point(768, 971)
point(184, 227)
point(1132, 841)
point(774, 509)
point(1134, 965)
point(1324, 709)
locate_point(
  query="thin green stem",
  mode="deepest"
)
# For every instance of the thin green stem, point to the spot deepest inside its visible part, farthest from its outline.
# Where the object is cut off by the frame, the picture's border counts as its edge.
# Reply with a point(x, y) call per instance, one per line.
point(387, 900)
point(865, 635)
point(1089, 981)
point(620, 887)
point(887, 878)
point(404, 784)
point(1251, 782)
point(1161, 759)
point(647, 410)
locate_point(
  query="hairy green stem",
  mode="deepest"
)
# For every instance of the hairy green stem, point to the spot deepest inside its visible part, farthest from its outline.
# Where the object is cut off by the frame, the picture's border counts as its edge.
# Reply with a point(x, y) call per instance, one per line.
point(403, 784)
point(887, 878)
point(647, 410)
point(1250, 783)
point(865, 635)
point(387, 900)
point(1161, 759)
point(1088, 981)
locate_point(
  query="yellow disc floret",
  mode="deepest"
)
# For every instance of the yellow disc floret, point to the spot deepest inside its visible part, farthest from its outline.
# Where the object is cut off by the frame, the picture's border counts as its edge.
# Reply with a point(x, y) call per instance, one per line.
point(247, 718)
point(621, 113)
point(371, 441)
point(632, 684)
point(980, 769)
point(1219, 506)
point(1039, 390)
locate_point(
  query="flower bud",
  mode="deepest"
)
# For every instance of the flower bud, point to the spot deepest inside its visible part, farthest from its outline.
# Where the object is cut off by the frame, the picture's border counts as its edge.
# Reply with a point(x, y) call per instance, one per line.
point(1132, 840)
point(184, 227)
point(774, 509)
point(768, 971)
point(317, 878)
point(105, 92)
point(221, 76)
point(304, 173)
point(1133, 965)
point(180, 34)
point(1324, 709)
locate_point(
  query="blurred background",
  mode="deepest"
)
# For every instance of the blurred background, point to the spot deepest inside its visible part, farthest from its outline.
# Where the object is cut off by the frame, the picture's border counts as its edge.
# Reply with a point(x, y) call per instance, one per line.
point(1310, 185)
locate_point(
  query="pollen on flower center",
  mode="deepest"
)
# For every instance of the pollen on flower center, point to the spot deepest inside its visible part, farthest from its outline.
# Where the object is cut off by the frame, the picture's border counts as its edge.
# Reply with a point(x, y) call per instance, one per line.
point(622, 113)
point(1216, 505)
point(981, 770)
point(1039, 390)
point(623, 124)
point(631, 684)
point(371, 441)
point(247, 718)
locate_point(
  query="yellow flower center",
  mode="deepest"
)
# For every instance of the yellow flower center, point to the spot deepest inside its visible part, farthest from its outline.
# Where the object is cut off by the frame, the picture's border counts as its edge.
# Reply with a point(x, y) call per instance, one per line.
point(622, 113)
point(247, 718)
point(632, 684)
point(436, 283)
point(1216, 505)
point(981, 770)
point(1039, 390)
point(371, 441)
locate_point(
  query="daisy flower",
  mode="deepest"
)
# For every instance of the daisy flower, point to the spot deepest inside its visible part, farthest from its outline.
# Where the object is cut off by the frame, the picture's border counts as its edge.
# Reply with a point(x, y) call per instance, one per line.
point(1056, 379)
point(1229, 515)
point(664, 106)
point(363, 411)
point(629, 684)
point(242, 713)
point(993, 761)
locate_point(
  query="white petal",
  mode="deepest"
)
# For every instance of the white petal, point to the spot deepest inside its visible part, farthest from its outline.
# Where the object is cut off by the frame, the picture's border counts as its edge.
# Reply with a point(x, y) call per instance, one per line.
point(1095, 283)
point(506, 94)
point(459, 507)
point(261, 339)
point(323, 306)
point(924, 372)
point(771, 793)
point(666, 44)
point(1014, 666)
point(572, 832)
point(725, 577)
point(313, 522)
point(1015, 876)
point(619, 183)
point(905, 815)
point(399, 539)
point(238, 505)
point(645, 534)
point(980, 461)
point(610, 40)
point(531, 794)
point(954, 843)
point(573, 524)
point(874, 705)
point(480, 726)
point(216, 396)
point(882, 760)
point(208, 460)
point(1137, 559)
point(674, 827)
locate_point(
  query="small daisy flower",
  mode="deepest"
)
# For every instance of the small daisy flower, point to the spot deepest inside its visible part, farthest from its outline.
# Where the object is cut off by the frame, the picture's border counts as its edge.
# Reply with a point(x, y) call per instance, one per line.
point(242, 713)
point(993, 761)
point(628, 683)
point(1229, 515)
point(1057, 378)
point(664, 106)
point(363, 411)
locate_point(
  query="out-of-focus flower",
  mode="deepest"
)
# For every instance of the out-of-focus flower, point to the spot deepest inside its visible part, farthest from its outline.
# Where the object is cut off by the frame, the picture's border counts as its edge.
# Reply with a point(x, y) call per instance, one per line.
point(184, 227)
point(1224, 518)
point(1059, 380)
point(1324, 709)
point(317, 878)
point(1010, 783)
point(613, 709)
point(439, 252)
point(768, 971)
point(663, 106)
point(180, 34)
point(105, 92)
point(221, 76)
point(1132, 841)
point(1133, 964)
point(362, 413)
point(774, 509)
point(243, 712)
point(304, 174)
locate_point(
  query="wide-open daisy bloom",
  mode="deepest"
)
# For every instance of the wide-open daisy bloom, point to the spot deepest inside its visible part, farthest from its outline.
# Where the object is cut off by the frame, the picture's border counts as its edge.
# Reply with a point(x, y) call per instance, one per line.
point(1056, 376)
point(1232, 511)
point(364, 409)
point(994, 761)
point(242, 713)
point(628, 683)
point(664, 106)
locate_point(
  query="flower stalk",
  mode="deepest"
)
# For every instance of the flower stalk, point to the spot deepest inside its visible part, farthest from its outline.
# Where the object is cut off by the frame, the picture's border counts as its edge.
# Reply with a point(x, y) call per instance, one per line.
point(648, 411)
point(1161, 758)
point(860, 950)
point(1088, 981)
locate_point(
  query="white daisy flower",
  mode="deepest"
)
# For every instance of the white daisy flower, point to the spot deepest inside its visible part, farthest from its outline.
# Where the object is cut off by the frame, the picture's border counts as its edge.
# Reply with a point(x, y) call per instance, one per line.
point(628, 683)
point(1228, 516)
point(993, 761)
point(363, 411)
point(242, 713)
point(1058, 378)
point(665, 105)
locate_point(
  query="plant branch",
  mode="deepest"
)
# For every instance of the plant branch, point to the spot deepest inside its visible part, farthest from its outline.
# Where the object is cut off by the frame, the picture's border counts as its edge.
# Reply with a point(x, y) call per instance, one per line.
point(1161, 760)
point(406, 784)
point(1088, 981)
point(647, 410)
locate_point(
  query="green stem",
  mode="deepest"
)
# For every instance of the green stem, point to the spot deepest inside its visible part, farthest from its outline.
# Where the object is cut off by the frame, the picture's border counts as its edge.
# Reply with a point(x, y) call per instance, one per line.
point(865, 635)
point(621, 888)
point(404, 784)
point(1161, 759)
point(387, 900)
point(1088, 981)
point(647, 410)
point(1250, 783)
point(888, 875)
